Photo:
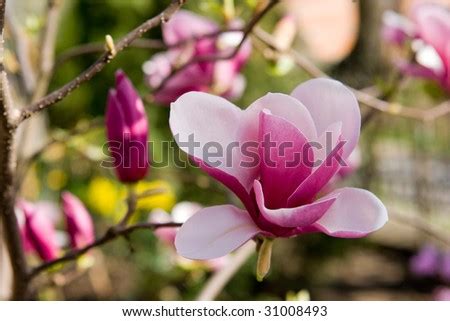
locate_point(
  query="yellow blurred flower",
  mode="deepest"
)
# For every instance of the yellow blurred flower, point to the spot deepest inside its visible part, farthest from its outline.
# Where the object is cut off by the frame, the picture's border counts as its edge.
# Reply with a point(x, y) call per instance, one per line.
point(164, 200)
point(106, 197)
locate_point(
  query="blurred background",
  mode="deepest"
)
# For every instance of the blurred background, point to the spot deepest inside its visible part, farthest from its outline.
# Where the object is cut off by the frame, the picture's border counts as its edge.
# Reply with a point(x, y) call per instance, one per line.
point(405, 162)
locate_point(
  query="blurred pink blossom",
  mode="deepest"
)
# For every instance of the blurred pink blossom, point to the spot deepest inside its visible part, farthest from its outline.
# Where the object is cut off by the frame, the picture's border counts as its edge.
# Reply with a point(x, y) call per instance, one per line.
point(183, 33)
point(279, 200)
point(38, 232)
point(78, 221)
point(427, 33)
point(426, 262)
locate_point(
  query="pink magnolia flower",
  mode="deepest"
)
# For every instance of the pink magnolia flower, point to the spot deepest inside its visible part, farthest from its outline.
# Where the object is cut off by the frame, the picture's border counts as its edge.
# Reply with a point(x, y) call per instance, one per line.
point(183, 33)
point(428, 32)
point(181, 212)
point(39, 232)
point(279, 192)
point(127, 130)
point(78, 221)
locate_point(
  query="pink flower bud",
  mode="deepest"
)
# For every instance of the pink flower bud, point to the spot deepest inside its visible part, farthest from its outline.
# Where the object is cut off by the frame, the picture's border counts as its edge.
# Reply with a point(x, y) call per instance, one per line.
point(127, 130)
point(78, 220)
point(39, 232)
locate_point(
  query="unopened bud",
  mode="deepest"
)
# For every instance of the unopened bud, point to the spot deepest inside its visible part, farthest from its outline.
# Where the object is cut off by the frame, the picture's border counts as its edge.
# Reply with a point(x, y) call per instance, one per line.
point(110, 46)
point(264, 258)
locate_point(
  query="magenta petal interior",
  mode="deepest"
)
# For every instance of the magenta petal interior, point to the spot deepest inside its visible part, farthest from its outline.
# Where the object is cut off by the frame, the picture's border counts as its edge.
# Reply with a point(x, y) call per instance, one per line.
point(285, 158)
point(314, 183)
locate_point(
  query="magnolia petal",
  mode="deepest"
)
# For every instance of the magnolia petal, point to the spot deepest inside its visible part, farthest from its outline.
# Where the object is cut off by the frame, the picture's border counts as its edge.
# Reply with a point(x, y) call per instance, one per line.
point(78, 220)
point(320, 177)
point(330, 102)
point(214, 232)
point(132, 106)
point(326, 143)
point(214, 124)
point(115, 119)
point(355, 213)
point(229, 181)
point(40, 232)
point(301, 216)
point(286, 162)
point(283, 106)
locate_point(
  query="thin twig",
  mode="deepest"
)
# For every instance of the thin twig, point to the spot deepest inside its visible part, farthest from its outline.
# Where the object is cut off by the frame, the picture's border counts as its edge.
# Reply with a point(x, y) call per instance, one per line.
point(221, 278)
point(97, 47)
point(131, 207)
point(423, 226)
point(110, 235)
point(101, 62)
point(364, 98)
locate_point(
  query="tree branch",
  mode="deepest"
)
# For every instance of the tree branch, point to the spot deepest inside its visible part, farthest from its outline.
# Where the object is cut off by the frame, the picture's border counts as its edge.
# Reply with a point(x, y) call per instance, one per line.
point(92, 48)
point(101, 62)
point(7, 166)
point(110, 235)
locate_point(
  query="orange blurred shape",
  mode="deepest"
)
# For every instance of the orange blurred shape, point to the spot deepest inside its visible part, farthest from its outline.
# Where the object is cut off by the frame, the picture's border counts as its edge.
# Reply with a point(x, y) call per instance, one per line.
point(329, 28)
